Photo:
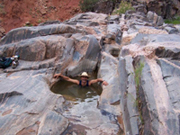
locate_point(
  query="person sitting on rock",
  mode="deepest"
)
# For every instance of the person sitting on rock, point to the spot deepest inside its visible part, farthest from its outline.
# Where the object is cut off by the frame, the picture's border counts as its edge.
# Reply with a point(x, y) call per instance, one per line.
point(83, 81)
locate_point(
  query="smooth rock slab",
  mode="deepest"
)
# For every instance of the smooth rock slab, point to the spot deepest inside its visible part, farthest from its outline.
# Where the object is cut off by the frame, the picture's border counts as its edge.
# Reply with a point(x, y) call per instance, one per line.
point(171, 75)
point(23, 33)
point(110, 97)
point(36, 49)
point(128, 100)
point(88, 50)
point(157, 111)
point(26, 102)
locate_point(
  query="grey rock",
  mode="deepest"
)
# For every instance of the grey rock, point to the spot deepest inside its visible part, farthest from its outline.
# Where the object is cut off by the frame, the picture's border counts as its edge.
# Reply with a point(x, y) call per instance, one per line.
point(154, 18)
point(135, 15)
point(114, 50)
point(32, 65)
point(87, 58)
point(166, 9)
point(49, 22)
point(140, 8)
point(114, 32)
point(33, 102)
point(177, 27)
point(128, 101)
point(88, 19)
point(51, 124)
point(157, 111)
point(114, 19)
point(111, 93)
point(171, 75)
point(23, 33)
point(36, 49)
point(145, 39)
point(171, 30)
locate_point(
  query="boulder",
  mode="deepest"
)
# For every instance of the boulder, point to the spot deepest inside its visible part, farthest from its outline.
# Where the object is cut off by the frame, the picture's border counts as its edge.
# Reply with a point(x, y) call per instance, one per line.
point(171, 73)
point(36, 49)
point(110, 96)
point(86, 56)
point(113, 34)
point(171, 29)
point(128, 95)
point(88, 19)
point(157, 111)
point(155, 19)
point(23, 33)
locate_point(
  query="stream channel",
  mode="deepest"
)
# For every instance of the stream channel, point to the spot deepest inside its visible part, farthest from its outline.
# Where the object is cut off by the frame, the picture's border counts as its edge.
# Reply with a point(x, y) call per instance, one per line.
point(81, 109)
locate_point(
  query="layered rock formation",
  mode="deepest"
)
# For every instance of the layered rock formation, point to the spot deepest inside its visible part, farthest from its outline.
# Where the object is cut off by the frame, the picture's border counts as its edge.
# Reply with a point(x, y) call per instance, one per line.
point(139, 61)
point(164, 8)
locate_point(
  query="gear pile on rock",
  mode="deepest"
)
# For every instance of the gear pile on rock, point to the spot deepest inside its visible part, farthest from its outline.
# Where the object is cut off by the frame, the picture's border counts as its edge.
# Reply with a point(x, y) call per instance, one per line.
point(137, 54)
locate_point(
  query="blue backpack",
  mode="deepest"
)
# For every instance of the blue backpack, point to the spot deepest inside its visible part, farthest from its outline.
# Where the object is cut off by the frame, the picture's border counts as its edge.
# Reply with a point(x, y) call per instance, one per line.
point(5, 62)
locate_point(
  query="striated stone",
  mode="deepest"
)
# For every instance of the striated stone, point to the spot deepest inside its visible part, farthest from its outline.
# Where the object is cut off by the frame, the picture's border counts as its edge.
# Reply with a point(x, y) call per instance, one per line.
point(28, 95)
point(111, 93)
point(87, 56)
point(128, 100)
point(32, 32)
point(157, 112)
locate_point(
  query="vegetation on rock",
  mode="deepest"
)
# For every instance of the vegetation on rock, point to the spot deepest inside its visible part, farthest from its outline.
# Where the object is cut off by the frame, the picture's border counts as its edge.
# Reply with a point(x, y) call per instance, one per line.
point(123, 7)
point(176, 20)
point(138, 72)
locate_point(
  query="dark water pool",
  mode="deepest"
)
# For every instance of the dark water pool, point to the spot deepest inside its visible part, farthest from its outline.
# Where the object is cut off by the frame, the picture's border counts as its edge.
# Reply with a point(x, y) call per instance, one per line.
point(73, 92)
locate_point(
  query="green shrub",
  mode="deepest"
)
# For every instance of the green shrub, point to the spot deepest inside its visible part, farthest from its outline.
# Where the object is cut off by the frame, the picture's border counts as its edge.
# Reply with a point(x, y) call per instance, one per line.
point(87, 5)
point(175, 20)
point(138, 103)
point(138, 72)
point(123, 7)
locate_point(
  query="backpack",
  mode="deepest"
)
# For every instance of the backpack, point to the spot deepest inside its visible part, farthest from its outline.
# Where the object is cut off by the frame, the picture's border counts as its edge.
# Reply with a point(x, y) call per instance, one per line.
point(5, 62)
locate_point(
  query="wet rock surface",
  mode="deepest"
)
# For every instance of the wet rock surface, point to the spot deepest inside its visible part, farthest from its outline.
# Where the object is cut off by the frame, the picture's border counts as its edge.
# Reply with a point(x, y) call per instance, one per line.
point(139, 61)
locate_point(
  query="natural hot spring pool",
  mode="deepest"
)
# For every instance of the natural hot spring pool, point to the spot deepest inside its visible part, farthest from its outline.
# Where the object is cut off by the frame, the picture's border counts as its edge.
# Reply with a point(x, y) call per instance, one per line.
point(80, 108)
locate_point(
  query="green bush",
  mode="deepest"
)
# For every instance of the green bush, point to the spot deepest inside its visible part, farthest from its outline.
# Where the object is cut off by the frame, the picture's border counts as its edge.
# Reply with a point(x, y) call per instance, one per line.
point(138, 72)
point(123, 7)
point(87, 5)
point(176, 20)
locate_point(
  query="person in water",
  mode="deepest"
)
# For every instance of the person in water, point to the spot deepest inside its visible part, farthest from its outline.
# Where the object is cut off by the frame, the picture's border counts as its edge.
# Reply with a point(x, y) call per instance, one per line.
point(83, 81)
